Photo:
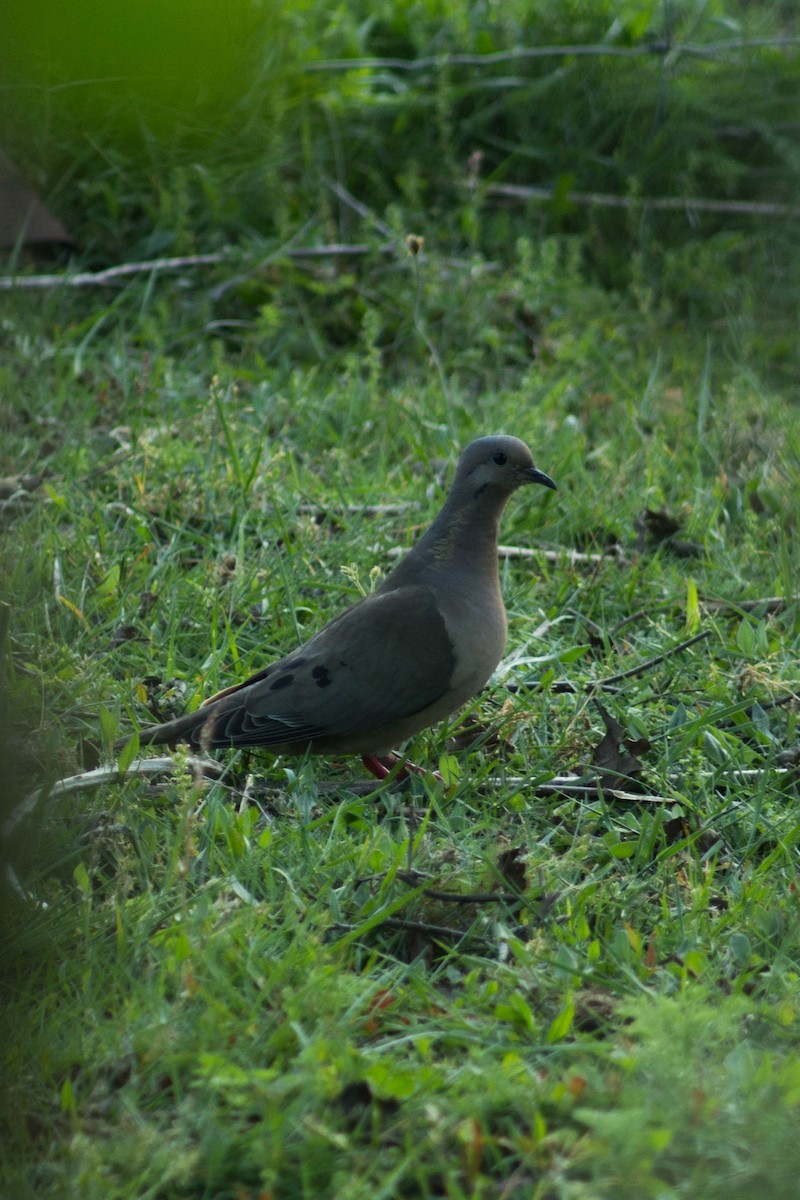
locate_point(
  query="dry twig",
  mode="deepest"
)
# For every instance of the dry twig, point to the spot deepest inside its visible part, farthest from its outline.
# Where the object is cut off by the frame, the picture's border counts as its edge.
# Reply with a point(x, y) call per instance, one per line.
point(87, 780)
point(755, 208)
point(649, 663)
point(770, 604)
point(660, 46)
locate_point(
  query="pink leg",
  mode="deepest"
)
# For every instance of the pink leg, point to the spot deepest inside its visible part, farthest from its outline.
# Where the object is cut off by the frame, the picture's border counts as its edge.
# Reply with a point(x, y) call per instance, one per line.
point(381, 767)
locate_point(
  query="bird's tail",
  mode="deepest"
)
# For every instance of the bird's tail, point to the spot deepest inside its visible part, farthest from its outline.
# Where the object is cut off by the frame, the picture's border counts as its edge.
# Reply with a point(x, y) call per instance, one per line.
point(186, 728)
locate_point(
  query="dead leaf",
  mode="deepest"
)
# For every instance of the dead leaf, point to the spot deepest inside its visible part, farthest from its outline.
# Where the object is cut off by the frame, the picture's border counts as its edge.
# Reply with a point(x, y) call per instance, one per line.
point(616, 755)
point(659, 524)
point(660, 527)
point(511, 866)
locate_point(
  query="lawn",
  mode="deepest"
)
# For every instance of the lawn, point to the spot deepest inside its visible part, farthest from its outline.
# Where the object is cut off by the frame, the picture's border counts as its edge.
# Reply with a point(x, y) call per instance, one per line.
point(569, 969)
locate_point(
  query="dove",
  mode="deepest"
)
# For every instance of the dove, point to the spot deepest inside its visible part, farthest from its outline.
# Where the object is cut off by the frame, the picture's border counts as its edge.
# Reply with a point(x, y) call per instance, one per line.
point(402, 658)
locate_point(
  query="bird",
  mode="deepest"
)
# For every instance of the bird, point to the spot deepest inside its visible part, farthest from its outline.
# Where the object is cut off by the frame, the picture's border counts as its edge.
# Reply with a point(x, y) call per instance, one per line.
point(404, 657)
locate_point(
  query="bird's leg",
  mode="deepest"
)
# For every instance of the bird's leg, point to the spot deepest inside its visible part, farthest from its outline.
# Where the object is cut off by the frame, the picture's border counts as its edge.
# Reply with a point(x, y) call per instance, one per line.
point(412, 830)
point(381, 767)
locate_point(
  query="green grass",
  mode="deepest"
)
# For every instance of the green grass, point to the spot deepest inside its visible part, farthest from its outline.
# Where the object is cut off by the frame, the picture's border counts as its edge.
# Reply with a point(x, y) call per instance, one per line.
point(235, 989)
point(232, 998)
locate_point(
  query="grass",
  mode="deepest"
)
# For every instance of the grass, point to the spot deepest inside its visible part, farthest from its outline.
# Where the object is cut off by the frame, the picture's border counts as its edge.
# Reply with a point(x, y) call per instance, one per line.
point(236, 997)
point(235, 989)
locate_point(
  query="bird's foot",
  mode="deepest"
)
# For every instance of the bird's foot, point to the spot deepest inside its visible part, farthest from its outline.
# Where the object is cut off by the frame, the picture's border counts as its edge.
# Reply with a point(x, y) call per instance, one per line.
point(381, 767)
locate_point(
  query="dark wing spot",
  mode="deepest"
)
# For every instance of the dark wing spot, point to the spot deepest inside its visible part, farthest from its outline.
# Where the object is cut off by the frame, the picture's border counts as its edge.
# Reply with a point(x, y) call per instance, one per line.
point(321, 675)
point(281, 682)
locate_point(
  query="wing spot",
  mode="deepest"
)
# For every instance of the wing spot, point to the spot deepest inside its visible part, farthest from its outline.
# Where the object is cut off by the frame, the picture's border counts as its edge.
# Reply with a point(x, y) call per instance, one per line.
point(281, 682)
point(322, 676)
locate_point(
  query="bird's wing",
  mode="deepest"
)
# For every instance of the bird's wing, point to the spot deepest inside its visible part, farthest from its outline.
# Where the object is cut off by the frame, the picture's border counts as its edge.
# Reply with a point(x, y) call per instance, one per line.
point(381, 661)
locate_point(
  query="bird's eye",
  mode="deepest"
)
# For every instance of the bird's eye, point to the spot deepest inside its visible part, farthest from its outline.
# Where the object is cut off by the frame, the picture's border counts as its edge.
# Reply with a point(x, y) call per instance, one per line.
point(500, 458)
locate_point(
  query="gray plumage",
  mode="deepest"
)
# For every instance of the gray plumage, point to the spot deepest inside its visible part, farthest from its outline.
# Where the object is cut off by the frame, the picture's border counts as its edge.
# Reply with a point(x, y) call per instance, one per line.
point(412, 652)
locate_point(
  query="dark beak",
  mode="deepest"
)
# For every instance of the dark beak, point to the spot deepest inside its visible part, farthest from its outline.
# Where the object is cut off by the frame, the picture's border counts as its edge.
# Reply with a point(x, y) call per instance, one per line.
point(534, 475)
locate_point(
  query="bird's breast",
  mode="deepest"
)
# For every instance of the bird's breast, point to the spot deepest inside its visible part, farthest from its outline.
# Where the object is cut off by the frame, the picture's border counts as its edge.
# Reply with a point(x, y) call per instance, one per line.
point(477, 628)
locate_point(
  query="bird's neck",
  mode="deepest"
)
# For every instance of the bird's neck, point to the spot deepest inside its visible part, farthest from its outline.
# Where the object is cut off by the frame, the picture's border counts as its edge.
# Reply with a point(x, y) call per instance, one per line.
point(462, 533)
point(467, 529)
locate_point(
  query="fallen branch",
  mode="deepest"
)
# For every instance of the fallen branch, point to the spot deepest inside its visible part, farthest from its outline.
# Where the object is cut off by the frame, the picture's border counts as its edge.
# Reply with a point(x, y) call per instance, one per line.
point(110, 274)
point(660, 46)
point(576, 557)
point(518, 191)
point(566, 687)
point(145, 767)
point(649, 663)
point(118, 274)
point(579, 787)
point(359, 510)
point(434, 931)
point(769, 604)
point(582, 788)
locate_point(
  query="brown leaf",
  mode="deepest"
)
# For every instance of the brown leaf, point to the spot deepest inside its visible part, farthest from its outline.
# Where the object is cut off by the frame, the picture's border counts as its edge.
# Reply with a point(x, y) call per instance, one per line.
point(511, 865)
point(616, 755)
point(660, 526)
point(126, 632)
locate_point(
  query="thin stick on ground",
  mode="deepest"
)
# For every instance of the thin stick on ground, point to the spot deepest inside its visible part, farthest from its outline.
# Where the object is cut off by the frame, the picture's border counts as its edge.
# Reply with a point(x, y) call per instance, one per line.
point(770, 604)
point(146, 768)
point(649, 663)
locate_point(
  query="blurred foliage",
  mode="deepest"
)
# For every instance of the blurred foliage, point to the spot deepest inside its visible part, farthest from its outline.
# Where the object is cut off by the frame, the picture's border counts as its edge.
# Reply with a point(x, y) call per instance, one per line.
point(166, 130)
